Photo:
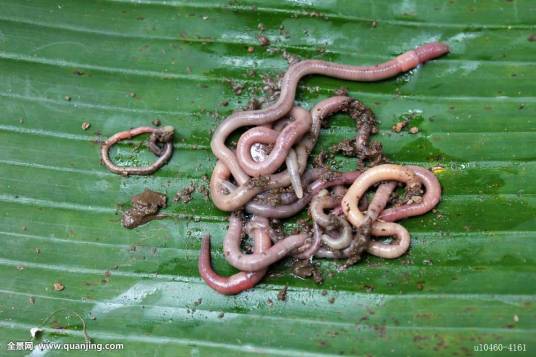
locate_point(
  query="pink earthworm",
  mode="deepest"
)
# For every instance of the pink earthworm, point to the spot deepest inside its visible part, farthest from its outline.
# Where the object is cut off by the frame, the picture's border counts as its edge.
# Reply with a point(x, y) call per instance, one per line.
point(330, 222)
point(238, 282)
point(396, 248)
point(365, 122)
point(308, 250)
point(251, 149)
point(431, 197)
point(386, 172)
point(163, 135)
point(321, 111)
point(283, 143)
point(378, 203)
point(321, 201)
point(289, 82)
point(256, 261)
point(289, 210)
point(228, 197)
point(291, 161)
point(356, 247)
point(293, 170)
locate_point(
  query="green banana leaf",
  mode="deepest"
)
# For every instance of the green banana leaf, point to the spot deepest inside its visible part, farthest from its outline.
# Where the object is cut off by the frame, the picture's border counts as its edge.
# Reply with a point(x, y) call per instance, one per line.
point(469, 279)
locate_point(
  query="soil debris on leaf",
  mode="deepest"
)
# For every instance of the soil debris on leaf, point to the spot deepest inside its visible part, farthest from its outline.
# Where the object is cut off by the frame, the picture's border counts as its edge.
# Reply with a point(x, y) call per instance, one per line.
point(397, 127)
point(263, 40)
point(145, 207)
point(58, 286)
point(282, 294)
point(184, 195)
point(304, 268)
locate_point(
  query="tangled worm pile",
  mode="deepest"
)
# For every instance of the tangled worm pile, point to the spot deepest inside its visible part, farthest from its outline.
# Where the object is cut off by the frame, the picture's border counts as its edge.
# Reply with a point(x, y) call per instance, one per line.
point(251, 178)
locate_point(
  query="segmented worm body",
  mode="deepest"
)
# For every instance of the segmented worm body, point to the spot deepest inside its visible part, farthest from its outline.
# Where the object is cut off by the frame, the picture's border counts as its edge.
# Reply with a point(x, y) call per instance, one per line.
point(158, 136)
point(282, 142)
point(291, 209)
point(386, 172)
point(256, 261)
point(238, 282)
point(251, 178)
point(283, 105)
point(431, 197)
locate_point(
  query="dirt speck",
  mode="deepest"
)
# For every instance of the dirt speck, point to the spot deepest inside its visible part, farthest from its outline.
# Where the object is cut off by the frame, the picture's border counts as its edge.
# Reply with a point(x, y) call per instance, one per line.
point(67, 98)
point(86, 125)
point(331, 300)
point(236, 86)
point(31, 300)
point(263, 40)
point(251, 49)
point(397, 127)
point(282, 294)
point(184, 195)
point(420, 285)
point(369, 288)
point(156, 122)
point(58, 286)
point(532, 37)
point(414, 130)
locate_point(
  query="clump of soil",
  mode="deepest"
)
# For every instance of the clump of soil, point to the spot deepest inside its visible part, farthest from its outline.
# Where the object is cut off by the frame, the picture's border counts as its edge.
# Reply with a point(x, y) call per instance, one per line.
point(145, 207)
point(184, 195)
point(306, 269)
point(397, 127)
point(282, 294)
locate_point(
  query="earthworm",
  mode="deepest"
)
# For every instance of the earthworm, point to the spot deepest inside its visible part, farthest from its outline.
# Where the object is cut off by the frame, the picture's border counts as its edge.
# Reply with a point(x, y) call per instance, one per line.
point(289, 210)
point(356, 247)
point(228, 197)
point(385, 172)
point(163, 135)
point(396, 248)
point(308, 250)
point(293, 170)
point(431, 197)
point(365, 123)
point(355, 192)
point(283, 143)
point(378, 203)
point(238, 282)
point(251, 149)
point(330, 222)
point(256, 261)
point(321, 111)
point(295, 72)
